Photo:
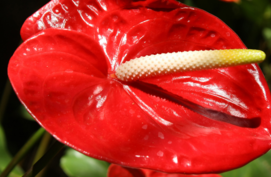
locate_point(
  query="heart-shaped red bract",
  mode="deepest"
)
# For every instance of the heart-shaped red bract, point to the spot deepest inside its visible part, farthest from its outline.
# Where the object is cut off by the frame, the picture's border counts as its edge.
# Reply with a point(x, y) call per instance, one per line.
point(192, 122)
point(119, 171)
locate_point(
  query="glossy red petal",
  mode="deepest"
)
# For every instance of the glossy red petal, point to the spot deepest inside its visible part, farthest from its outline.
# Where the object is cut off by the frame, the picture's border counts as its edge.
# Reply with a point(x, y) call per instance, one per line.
point(186, 139)
point(76, 44)
point(222, 95)
point(223, 90)
point(109, 22)
point(119, 171)
point(180, 29)
point(83, 15)
point(194, 122)
point(47, 77)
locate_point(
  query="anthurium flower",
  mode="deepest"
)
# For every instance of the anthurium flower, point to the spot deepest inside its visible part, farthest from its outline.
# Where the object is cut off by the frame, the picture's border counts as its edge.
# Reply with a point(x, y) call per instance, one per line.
point(119, 171)
point(190, 122)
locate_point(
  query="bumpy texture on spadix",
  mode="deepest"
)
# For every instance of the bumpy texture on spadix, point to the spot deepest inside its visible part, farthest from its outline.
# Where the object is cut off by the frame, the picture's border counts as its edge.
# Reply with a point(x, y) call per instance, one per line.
point(161, 64)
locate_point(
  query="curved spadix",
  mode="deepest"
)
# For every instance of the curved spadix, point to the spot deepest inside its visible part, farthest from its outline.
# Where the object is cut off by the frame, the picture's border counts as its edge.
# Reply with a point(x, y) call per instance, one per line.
point(161, 64)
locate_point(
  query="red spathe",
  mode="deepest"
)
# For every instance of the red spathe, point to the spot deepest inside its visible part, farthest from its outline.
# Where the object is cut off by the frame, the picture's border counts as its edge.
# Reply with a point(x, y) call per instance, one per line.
point(192, 122)
point(119, 171)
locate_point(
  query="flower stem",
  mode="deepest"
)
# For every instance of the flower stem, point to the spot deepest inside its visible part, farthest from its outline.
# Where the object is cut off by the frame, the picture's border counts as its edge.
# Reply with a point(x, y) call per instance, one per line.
point(41, 150)
point(22, 152)
point(46, 158)
point(4, 100)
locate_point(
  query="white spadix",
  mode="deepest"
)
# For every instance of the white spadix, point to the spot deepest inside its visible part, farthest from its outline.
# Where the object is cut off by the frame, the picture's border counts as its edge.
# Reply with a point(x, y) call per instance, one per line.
point(161, 64)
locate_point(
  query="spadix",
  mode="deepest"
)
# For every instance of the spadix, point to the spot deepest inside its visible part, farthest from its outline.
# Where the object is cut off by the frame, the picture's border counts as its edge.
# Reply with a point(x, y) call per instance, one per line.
point(161, 64)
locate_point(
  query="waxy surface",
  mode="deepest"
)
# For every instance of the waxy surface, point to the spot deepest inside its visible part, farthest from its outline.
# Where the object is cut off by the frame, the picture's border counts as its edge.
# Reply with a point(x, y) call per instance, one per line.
point(193, 122)
point(119, 171)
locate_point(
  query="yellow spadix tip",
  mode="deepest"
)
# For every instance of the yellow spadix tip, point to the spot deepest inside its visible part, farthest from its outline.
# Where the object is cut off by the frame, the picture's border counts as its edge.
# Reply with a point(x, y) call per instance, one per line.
point(161, 64)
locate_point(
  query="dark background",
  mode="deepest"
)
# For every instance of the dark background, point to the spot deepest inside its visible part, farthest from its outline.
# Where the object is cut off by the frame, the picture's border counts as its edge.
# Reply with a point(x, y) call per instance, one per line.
point(13, 15)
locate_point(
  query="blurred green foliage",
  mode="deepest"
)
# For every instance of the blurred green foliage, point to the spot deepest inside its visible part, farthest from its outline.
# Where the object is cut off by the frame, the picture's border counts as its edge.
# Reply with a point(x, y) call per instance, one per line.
point(76, 164)
point(5, 157)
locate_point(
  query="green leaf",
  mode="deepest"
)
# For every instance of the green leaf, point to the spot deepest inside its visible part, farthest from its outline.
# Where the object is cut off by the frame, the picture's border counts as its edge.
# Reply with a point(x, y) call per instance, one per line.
point(76, 164)
point(259, 167)
point(6, 157)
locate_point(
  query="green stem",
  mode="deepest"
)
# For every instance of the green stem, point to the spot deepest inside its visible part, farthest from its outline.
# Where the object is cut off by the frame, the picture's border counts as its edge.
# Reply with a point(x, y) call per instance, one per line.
point(46, 158)
point(4, 100)
point(41, 150)
point(42, 147)
point(23, 151)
